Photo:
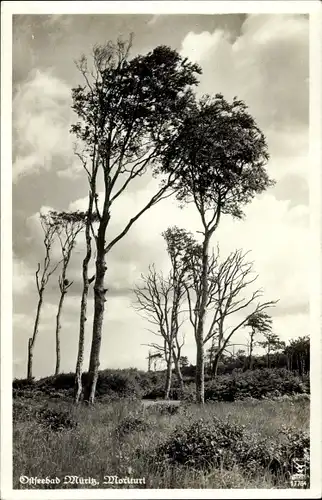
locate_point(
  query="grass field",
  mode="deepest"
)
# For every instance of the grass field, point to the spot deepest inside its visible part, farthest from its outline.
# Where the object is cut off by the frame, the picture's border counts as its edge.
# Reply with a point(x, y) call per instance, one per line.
point(122, 439)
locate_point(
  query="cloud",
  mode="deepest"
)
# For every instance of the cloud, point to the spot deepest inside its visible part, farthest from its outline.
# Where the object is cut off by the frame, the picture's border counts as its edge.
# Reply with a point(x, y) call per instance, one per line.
point(267, 66)
point(41, 120)
point(23, 277)
point(259, 66)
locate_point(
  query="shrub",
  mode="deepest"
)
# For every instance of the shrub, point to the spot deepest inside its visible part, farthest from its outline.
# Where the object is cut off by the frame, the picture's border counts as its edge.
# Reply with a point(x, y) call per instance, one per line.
point(132, 423)
point(257, 384)
point(165, 409)
point(202, 445)
point(55, 419)
point(123, 383)
point(22, 383)
point(217, 443)
point(24, 410)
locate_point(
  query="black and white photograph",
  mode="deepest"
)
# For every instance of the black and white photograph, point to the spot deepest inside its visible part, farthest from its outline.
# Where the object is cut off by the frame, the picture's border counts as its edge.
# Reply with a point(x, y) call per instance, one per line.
point(160, 250)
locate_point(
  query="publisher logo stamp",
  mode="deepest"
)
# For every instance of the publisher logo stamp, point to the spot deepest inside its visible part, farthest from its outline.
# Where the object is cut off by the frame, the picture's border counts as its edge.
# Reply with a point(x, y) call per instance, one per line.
point(299, 473)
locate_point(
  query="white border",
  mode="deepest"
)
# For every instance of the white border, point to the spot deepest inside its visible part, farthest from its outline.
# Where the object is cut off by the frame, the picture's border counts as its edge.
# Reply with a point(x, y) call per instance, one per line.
point(166, 7)
point(162, 7)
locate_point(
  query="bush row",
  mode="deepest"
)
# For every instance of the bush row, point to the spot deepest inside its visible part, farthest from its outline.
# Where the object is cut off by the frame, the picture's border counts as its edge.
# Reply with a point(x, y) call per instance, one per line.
point(138, 384)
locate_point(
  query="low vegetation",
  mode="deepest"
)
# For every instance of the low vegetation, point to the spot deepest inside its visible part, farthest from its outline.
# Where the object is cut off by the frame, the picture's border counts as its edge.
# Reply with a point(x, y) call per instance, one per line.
point(132, 383)
point(218, 445)
point(235, 440)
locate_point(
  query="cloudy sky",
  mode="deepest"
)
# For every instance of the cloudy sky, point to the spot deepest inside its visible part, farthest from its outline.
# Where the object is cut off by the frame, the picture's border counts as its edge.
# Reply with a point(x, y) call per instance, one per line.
point(262, 59)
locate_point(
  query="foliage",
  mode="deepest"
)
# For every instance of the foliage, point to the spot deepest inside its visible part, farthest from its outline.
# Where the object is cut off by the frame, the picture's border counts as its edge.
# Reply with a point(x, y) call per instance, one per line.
point(131, 423)
point(256, 384)
point(218, 443)
point(224, 156)
point(55, 419)
point(298, 354)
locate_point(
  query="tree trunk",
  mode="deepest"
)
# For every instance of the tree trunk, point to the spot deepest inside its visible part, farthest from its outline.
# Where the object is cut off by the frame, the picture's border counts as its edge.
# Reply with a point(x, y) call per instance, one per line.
point(200, 373)
point(250, 357)
point(168, 376)
point(83, 311)
point(215, 364)
point(99, 306)
point(211, 355)
point(200, 362)
point(81, 340)
point(178, 371)
point(31, 341)
point(58, 328)
point(30, 359)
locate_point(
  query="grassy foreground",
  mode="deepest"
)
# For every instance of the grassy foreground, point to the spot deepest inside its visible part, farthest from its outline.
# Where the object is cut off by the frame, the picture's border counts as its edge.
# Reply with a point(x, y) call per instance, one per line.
point(124, 439)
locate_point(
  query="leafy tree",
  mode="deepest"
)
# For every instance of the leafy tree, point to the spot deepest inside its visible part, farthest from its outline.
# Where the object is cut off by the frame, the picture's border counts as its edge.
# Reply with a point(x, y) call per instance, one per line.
point(129, 111)
point(224, 155)
point(272, 343)
point(259, 323)
point(68, 225)
point(43, 274)
point(298, 354)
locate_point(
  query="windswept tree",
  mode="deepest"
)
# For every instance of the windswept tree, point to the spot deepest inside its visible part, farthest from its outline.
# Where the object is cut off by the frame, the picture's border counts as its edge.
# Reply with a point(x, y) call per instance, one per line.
point(159, 302)
point(259, 323)
point(271, 343)
point(130, 112)
point(228, 297)
point(43, 274)
point(224, 154)
point(68, 225)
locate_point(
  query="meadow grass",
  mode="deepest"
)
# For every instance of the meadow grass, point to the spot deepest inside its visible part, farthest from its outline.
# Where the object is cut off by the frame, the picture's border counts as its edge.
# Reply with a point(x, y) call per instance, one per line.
point(97, 448)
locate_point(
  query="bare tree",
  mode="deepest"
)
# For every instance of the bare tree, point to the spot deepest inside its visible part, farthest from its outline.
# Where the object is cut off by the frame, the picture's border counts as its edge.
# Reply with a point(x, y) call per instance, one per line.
point(227, 284)
point(43, 274)
point(153, 357)
point(159, 302)
point(68, 225)
point(225, 155)
point(129, 112)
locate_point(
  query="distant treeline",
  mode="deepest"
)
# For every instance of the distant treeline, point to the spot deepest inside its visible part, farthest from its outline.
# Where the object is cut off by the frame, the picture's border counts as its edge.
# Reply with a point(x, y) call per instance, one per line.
point(295, 357)
point(283, 373)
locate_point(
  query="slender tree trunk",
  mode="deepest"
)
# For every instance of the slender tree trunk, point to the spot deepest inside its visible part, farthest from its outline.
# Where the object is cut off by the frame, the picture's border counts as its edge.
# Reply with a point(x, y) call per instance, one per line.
point(81, 340)
point(200, 361)
point(32, 340)
point(211, 355)
point(178, 371)
point(215, 364)
point(58, 328)
point(250, 357)
point(200, 373)
point(99, 306)
point(83, 311)
point(168, 376)
point(30, 359)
